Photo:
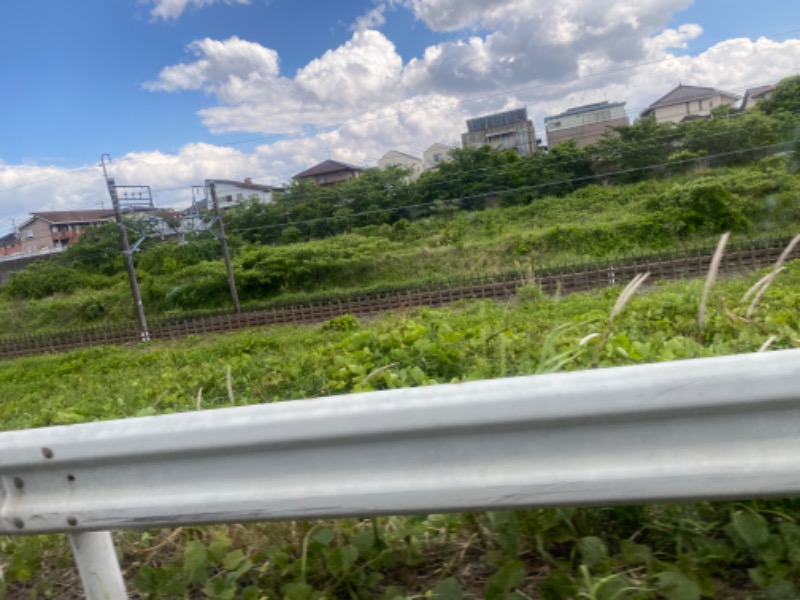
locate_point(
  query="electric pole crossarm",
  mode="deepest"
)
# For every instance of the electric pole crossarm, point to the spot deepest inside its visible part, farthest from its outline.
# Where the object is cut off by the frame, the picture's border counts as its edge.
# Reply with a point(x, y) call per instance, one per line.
point(127, 253)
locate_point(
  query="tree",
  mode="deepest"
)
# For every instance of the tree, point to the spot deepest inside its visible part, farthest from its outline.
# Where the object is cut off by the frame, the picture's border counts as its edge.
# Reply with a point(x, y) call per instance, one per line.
point(785, 97)
point(633, 147)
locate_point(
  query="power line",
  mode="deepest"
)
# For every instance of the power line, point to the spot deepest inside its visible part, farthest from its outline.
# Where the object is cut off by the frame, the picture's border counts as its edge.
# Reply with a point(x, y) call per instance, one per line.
point(460, 176)
point(139, 160)
point(782, 145)
point(463, 175)
point(488, 194)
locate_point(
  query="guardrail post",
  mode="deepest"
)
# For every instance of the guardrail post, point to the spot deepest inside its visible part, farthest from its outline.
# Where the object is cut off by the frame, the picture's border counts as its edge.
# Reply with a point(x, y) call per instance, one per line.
point(98, 566)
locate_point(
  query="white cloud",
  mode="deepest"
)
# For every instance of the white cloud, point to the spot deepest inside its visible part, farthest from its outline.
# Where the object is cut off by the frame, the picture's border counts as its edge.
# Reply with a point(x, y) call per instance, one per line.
point(372, 19)
point(362, 74)
point(522, 41)
point(222, 68)
point(358, 100)
point(173, 9)
point(672, 38)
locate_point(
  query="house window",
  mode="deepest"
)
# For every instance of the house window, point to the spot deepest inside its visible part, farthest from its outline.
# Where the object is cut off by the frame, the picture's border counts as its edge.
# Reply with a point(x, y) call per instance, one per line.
point(28, 233)
point(688, 110)
point(700, 104)
point(437, 157)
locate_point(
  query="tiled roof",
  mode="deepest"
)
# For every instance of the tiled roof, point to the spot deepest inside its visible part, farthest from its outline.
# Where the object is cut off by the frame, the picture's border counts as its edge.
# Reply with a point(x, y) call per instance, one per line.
point(685, 93)
point(326, 167)
point(756, 93)
point(759, 91)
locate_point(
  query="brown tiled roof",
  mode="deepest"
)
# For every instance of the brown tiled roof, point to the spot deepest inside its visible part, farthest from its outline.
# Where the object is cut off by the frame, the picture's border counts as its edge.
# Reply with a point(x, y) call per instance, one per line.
point(327, 167)
point(73, 216)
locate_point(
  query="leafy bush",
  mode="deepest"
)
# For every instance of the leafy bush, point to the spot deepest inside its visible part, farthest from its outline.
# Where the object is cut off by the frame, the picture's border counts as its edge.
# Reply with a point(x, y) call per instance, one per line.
point(48, 278)
point(700, 207)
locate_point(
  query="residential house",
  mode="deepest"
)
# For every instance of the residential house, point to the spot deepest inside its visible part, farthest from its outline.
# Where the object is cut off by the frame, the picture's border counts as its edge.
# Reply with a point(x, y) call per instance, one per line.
point(585, 124)
point(53, 231)
point(687, 102)
point(10, 244)
point(230, 193)
point(330, 172)
point(435, 154)
point(394, 158)
point(159, 222)
point(502, 131)
point(755, 95)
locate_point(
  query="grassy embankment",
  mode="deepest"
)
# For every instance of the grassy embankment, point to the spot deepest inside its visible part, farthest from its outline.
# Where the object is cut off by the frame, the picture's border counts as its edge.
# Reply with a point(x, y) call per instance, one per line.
point(594, 223)
point(723, 550)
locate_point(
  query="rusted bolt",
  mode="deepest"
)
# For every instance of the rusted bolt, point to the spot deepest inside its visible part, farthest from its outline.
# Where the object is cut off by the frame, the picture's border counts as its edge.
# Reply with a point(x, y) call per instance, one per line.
point(19, 524)
point(19, 483)
point(47, 453)
point(71, 478)
point(72, 521)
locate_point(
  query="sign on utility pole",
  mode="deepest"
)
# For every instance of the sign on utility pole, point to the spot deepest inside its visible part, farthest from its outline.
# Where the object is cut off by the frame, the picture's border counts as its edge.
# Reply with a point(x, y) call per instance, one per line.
point(225, 253)
point(127, 253)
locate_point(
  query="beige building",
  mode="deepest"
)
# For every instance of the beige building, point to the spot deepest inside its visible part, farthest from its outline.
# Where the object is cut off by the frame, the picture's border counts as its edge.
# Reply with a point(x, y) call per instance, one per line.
point(330, 172)
point(394, 158)
point(502, 131)
point(231, 193)
point(755, 95)
point(687, 102)
point(53, 231)
point(584, 124)
point(435, 154)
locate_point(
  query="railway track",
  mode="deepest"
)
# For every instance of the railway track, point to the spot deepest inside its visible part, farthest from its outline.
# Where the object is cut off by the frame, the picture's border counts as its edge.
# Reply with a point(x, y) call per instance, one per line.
point(552, 281)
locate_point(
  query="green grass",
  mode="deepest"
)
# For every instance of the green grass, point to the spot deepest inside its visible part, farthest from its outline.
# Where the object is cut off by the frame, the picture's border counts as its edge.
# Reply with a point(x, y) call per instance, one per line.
point(594, 223)
point(715, 550)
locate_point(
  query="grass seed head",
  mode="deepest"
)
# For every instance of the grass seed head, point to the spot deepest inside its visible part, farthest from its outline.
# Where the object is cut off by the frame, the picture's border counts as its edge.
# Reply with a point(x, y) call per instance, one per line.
point(713, 271)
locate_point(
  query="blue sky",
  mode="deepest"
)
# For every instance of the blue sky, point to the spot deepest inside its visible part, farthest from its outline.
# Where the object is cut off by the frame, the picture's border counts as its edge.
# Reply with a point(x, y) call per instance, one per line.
point(182, 90)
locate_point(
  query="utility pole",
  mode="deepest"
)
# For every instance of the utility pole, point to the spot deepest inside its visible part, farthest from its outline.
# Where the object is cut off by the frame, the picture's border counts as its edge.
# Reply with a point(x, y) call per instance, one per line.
point(126, 251)
point(225, 253)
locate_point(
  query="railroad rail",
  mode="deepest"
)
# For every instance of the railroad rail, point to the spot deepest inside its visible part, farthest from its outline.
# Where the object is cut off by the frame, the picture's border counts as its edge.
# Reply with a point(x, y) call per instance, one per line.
point(561, 280)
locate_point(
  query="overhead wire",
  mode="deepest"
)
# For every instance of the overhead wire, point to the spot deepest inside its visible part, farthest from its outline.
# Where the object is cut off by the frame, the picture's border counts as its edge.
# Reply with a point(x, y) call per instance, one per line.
point(782, 145)
point(420, 108)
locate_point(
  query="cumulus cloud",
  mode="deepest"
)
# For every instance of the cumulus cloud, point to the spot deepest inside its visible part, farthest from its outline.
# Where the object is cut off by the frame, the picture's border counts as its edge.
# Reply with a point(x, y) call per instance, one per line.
point(362, 74)
point(372, 19)
point(173, 9)
point(224, 68)
point(531, 40)
point(356, 101)
point(512, 52)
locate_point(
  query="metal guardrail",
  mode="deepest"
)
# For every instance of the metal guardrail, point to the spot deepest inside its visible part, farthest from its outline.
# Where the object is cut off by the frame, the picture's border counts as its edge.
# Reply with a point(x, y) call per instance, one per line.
point(713, 428)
